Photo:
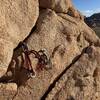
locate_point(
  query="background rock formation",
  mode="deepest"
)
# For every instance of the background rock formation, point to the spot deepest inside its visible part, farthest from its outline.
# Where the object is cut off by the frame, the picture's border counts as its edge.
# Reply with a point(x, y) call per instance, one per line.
point(94, 22)
point(74, 51)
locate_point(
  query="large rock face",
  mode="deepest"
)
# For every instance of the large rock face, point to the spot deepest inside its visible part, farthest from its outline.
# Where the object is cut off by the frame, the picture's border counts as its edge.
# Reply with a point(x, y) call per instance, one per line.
point(81, 81)
point(17, 18)
point(74, 52)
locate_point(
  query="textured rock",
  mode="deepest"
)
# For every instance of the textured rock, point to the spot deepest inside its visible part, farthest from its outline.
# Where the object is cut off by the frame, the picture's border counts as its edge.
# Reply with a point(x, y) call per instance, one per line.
point(17, 18)
point(7, 91)
point(2, 71)
point(65, 46)
point(61, 6)
point(57, 5)
point(81, 81)
point(6, 50)
point(74, 51)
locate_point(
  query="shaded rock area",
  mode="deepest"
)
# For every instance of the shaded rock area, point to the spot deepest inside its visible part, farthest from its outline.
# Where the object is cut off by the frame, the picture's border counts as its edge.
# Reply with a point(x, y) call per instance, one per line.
point(73, 50)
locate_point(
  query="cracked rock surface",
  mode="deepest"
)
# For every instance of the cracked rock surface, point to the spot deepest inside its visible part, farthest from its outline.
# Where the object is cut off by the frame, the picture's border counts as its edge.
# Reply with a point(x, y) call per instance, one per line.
point(74, 51)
